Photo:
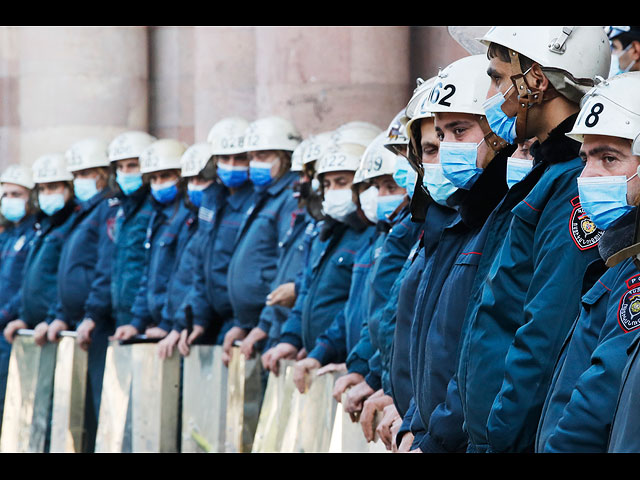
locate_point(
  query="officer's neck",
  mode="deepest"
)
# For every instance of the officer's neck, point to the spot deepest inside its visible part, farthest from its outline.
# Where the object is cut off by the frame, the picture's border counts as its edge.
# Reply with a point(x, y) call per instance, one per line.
point(545, 117)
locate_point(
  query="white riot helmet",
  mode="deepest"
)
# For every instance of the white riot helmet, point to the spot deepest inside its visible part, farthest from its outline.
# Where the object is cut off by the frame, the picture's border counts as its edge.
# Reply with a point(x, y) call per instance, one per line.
point(195, 158)
point(397, 133)
point(318, 144)
point(129, 145)
point(18, 175)
point(378, 160)
point(355, 133)
point(271, 133)
point(417, 97)
point(87, 153)
point(340, 158)
point(296, 157)
point(163, 154)
point(612, 108)
point(51, 168)
point(571, 57)
point(227, 136)
point(462, 87)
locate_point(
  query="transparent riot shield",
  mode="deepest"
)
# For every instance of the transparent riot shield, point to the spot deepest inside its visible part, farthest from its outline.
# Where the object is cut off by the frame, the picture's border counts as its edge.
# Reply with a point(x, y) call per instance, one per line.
point(155, 391)
point(204, 400)
point(27, 407)
point(276, 408)
point(69, 391)
point(244, 398)
point(312, 416)
point(114, 403)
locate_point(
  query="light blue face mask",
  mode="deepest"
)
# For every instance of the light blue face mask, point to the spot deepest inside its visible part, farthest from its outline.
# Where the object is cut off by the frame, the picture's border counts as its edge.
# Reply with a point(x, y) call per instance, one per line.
point(165, 192)
point(196, 192)
point(459, 163)
point(439, 187)
point(13, 209)
point(129, 182)
point(517, 169)
point(84, 188)
point(404, 175)
point(260, 173)
point(387, 204)
point(615, 63)
point(500, 123)
point(604, 199)
point(232, 176)
point(51, 203)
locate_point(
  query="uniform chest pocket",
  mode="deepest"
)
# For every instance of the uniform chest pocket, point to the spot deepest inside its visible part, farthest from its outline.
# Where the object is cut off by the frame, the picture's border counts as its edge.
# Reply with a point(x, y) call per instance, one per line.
point(527, 212)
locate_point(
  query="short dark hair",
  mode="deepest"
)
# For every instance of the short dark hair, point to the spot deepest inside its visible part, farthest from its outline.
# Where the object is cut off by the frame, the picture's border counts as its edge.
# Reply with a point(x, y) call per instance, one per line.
point(497, 50)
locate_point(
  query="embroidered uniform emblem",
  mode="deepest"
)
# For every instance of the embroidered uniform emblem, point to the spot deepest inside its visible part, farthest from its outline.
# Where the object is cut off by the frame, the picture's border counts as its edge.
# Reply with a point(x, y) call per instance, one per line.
point(583, 231)
point(629, 308)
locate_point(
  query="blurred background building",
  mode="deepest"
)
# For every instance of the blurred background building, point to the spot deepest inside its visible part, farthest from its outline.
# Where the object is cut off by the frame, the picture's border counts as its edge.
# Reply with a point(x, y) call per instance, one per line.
point(62, 84)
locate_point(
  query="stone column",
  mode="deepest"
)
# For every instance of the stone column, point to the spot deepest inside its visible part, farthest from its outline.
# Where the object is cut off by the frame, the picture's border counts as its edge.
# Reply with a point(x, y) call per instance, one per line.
point(224, 80)
point(321, 77)
point(71, 83)
point(171, 86)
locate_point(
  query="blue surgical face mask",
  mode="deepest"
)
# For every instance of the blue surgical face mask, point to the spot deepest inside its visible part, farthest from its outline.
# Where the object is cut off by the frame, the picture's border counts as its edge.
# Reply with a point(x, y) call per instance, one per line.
point(165, 192)
point(615, 63)
point(13, 209)
point(84, 188)
point(232, 176)
point(388, 204)
point(260, 173)
point(604, 199)
point(196, 192)
point(500, 123)
point(439, 187)
point(517, 169)
point(459, 163)
point(404, 175)
point(129, 182)
point(51, 203)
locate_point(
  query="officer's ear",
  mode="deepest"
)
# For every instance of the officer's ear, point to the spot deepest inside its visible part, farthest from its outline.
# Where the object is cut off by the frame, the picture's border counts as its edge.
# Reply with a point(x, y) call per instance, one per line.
point(536, 78)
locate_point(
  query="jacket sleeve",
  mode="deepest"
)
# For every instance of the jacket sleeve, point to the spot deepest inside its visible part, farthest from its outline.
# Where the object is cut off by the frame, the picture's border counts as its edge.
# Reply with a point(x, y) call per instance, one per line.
point(551, 304)
point(359, 355)
point(291, 331)
point(445, 433)
point(586, 419)
point(140, 308)
point(98, 303)
point(331, 345)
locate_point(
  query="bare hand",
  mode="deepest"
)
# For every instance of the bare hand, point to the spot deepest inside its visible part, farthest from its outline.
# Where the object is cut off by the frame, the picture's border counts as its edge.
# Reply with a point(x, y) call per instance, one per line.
point(345, 382)
point(332, 367)
point(155, 332)
point(374, 404)
point(284, 295)
point(40, 333)
point(234, 333)
point(185, 342)
point(280, 351)
point(167, 344)
point(301, 371)
point(84, 333)
point(390, 417)
point(356, 397)
point(124, 332)
point(12, 327)
point(255, 335)
point(55, 328)
point(405, 443)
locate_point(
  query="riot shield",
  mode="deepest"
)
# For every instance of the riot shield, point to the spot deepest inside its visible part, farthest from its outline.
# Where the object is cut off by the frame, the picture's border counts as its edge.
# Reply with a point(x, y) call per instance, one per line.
point(27, 407)
point(244, 398)
point(204, 400)
point(69, 391)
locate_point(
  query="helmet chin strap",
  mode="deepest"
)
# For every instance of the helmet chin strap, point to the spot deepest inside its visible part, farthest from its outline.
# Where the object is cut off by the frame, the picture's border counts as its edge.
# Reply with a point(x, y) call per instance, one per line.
point(519, 99)
point(494, 142)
